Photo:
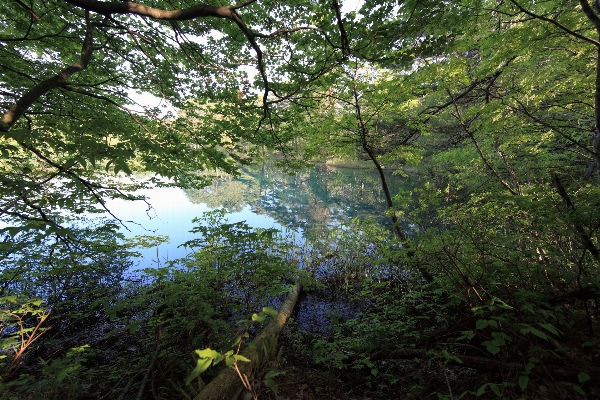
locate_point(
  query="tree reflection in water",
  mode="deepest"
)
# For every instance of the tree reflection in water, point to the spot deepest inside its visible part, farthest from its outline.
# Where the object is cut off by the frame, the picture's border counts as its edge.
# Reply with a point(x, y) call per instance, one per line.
point(314, 199)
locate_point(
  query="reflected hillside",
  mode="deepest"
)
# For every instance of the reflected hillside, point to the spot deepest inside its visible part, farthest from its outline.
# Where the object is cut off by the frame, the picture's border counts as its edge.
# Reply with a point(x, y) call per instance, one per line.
point(223, 192)
point(309, 199)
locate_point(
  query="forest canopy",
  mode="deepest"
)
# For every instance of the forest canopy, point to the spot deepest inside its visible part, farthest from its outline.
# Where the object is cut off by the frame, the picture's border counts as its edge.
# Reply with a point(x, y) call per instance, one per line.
point(494, 104)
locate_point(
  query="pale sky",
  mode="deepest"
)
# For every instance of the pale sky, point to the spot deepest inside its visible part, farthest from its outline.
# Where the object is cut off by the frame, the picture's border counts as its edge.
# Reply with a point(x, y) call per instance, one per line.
point(150, 101)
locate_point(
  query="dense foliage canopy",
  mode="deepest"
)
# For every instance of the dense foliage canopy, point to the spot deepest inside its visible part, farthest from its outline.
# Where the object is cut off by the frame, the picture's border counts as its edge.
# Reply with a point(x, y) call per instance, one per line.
point(494, 104)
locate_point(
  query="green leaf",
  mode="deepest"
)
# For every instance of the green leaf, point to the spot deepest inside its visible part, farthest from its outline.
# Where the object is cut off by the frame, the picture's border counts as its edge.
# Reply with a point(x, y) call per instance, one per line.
point(496, 390)
point(260, 317)
point(523, 381)
point(529, 367)
point(270, 311)
point(579, 390)
point(36, 302)
point(466, 335)
point(583, 377)
point(10, 299)
point(534, 331)
point(240, 357)
point(500, 338)
point(550, 328)
point(207, 353)
point(449, 356)
point(201, 365)
point(273, 373)
point(591, 342)
point(66, 371)
point(133, 327)
point(229, 361)
point(481, 324)
point(528, 307)
point(503, 304)
point(481, 389)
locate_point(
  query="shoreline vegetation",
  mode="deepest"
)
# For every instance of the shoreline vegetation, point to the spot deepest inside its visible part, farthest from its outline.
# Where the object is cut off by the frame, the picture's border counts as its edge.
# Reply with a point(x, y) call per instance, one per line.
point(351, 164)
point(355, 303)
point(474, 275)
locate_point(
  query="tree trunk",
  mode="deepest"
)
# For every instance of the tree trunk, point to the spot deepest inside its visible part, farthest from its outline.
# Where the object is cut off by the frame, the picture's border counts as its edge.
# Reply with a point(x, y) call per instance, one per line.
point(227, 385)
point(386, 190)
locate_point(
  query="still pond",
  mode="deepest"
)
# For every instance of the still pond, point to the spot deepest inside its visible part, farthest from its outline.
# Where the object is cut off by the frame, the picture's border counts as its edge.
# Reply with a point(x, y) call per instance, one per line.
point(307, 202)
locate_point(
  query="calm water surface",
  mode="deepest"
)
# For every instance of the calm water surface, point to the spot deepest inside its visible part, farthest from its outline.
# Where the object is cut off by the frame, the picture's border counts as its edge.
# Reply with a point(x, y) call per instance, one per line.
point(307, 202)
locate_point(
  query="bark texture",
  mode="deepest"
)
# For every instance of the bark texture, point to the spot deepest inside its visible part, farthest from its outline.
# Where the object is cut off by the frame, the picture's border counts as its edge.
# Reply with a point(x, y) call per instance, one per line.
point(227, 385)
point(131, 7)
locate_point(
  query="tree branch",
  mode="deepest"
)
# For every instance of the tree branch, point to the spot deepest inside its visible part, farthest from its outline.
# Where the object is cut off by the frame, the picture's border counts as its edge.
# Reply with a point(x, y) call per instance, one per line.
point(87, 184)
point(454, 98)
point(11, 116)
point(131, 7)
point(541, 122)
point(114, 103)
point(344, 37)
point(586, 238)
point(561, 26)
point(197, 11)
point(590, 14)
point(29, 10)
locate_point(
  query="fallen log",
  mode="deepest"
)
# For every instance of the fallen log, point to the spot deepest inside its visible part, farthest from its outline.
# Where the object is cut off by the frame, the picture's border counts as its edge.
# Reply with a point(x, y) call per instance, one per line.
point(480, 363)
point(564, 372)
point(227, 385)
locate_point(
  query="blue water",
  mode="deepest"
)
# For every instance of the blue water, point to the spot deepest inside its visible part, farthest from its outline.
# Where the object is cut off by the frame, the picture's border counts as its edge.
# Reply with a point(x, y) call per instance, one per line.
point(308, 202)
point(171, 214)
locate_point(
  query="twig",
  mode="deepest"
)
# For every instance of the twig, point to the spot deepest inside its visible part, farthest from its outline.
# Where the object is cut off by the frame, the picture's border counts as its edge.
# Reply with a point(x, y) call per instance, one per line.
point(150, 367)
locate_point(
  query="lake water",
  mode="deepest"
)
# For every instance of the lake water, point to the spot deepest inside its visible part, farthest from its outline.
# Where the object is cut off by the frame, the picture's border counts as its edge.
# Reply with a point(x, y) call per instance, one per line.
point(307, 202)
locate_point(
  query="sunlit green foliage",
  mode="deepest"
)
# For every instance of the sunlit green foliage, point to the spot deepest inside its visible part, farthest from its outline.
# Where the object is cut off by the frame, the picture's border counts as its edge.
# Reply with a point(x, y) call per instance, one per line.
point(494, 105)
